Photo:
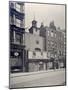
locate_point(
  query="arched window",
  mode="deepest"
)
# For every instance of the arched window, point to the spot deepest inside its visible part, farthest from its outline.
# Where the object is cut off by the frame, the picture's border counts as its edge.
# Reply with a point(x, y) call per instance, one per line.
point(38, 49)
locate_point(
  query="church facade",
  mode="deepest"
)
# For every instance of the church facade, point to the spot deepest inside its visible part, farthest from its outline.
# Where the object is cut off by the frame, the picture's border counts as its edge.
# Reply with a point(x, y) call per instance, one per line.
point(45, 46)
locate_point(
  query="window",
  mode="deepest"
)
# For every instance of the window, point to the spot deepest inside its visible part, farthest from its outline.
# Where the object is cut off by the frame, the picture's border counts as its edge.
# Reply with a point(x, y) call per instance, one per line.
point(37, 42)
point(38, 49)
point(18, 22)
point(11, 36)
point(55, 44)
point(18, 38)
point(55, 35)
point(16, 61)
point(41, 66)
point(55, 55)
point(41, 53)
point(48, 54)
point(52, 34)
point(17, 7)
point(48, 33)
point(34, 53)
point(48, 42)
point(11, 5)
point(23, 39)
point(52, 55)
point(52, 43)
point(61, 38)
point(60, 53)
point(11, 20)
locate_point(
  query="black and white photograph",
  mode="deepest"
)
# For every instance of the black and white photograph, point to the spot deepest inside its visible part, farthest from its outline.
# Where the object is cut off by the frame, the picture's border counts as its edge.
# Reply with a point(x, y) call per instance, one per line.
point(37, 44)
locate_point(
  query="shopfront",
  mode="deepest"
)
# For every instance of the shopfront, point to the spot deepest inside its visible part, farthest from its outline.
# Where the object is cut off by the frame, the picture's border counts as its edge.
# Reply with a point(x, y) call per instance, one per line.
point(18, 59)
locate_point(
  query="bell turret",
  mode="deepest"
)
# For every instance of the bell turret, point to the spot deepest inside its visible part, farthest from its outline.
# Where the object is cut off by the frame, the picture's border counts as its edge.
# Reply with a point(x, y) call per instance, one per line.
point(34, 23)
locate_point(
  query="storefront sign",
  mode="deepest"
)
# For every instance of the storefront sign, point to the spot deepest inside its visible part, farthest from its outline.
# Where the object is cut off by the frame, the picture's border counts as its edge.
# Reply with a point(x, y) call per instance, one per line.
point(16, 54)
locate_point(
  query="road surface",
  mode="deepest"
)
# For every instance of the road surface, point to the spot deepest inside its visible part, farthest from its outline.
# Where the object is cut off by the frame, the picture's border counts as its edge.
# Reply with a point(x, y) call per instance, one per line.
point(42, 78)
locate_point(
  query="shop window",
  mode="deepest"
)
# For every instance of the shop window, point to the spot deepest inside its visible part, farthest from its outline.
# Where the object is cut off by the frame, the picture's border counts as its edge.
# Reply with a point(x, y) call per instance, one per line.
point(16, 61)
point(41, 67)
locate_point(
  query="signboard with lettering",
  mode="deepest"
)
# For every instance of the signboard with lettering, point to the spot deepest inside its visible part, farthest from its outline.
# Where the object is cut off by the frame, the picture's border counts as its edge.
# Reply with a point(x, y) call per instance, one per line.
point(37, 55)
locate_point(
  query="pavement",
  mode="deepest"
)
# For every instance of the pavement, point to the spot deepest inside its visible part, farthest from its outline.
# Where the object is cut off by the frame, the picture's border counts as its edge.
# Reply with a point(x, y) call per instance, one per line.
point(41, 78)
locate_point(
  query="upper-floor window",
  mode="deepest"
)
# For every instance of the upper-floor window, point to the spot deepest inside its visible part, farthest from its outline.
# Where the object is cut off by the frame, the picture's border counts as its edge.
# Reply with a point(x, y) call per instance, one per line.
point(13, 19)
point(52, 43)
point(18, 7)
point(52, 34)
point(48, 54)
point(60, 53)
point(48, 33)
point(48, 42)
point(12, 5)
point(55, 35)
point(18, 22)
point(11, 36)
point(18, 38)
point(55, 44)
point(37, 42)
point(38, 49)
point(52, 55)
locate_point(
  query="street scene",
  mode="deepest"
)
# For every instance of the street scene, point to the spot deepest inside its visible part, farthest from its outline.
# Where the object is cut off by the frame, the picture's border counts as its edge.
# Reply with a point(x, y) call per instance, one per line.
point(37, 44)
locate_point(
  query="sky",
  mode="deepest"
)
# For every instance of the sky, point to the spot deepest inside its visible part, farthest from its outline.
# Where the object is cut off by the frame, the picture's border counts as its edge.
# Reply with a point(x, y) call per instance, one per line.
point(45, 13)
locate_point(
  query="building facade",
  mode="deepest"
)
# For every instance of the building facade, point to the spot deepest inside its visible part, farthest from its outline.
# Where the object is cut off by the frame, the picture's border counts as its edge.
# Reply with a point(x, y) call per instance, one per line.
point(45, 45)
point(35, 44)
point(54, 43)
point(17, 28)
